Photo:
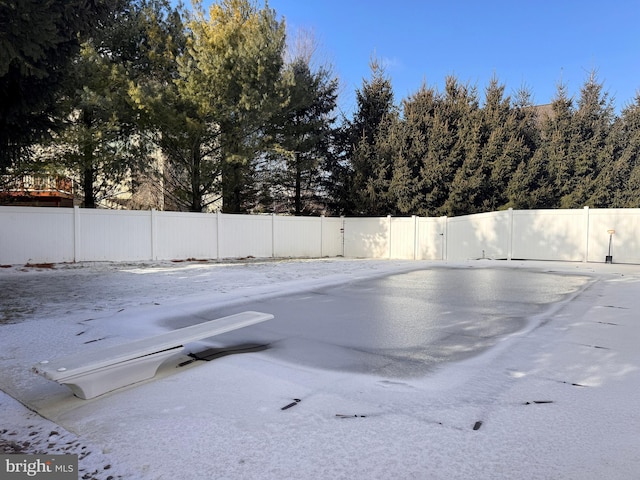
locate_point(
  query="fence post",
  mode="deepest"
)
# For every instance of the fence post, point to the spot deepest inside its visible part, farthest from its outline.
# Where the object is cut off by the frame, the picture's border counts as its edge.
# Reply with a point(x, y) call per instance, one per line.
point(321, 237)
point(415, 236)
point(389, 236)
point(273, 235)
point(342, 232)
point(218, 214)
point(444, 235)
point(76, 234)
point(154, 234)
point(510, 247)
point(586, 234)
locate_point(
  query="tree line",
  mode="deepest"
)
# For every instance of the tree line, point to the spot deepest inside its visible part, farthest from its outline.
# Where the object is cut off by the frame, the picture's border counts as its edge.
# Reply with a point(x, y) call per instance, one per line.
point(219, 109)
point(445, 153)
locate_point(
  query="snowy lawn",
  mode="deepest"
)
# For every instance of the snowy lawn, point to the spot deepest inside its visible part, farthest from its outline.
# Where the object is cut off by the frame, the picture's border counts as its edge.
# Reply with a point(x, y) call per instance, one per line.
point(557, 399)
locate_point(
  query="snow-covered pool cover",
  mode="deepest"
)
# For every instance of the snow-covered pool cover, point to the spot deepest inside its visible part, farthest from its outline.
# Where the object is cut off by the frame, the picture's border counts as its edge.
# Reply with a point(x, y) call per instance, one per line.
point(537, 389)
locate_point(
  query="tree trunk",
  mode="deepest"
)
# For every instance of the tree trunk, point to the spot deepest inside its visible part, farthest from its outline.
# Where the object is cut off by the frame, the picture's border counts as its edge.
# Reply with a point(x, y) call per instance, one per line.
point(232, 188)
point(87, 187)
point(298, 186)
point(196, 180)
point(89, 171)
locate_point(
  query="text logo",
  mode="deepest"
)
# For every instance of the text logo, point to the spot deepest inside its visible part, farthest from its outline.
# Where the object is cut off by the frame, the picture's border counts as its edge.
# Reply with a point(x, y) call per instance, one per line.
point(50, 467)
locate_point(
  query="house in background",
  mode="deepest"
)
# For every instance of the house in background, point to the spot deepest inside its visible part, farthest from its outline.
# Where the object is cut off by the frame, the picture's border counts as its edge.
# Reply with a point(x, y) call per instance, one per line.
point(38, 191)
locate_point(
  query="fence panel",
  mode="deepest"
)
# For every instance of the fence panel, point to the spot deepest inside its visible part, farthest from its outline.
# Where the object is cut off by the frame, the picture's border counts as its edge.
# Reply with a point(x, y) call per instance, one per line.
point(245, 236)
point(36, 235)
point(297, 236)
point(113, 235)
point(549, 234)
point(180, 235)
point(366, 237)
point(625, 242)
point(483, 235)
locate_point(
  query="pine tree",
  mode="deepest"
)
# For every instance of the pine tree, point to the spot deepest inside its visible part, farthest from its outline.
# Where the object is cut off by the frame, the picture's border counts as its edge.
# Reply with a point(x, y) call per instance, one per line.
point(463, 168)
point(236, 60)
point(101, 142)
point(504, 149)
point(468, 188)
point(375, 104)
point(618, 183)
point(380, 197)
point(628, 196)
point(437, 169)
point(211, 114)
point(416, 130)
point(556, 138)
point(530, 173)
point(590, 127)
point(336, 182)
point(39, 41)
point(302, 133)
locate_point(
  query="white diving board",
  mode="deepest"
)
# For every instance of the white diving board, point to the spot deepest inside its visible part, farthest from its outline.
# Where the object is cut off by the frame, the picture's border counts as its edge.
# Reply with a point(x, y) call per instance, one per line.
point(94, 373)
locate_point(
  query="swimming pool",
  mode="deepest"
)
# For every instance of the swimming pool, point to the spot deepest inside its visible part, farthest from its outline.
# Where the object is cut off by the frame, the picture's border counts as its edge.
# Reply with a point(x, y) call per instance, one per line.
point(402, 325)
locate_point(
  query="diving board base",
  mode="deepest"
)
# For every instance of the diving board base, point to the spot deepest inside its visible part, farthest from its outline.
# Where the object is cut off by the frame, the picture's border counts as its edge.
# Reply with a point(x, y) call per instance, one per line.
point(106, 379)
point(89, 374)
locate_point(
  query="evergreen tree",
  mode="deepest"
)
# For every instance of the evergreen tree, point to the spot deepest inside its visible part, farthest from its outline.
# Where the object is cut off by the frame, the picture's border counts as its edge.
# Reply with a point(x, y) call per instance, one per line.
point(302, 135)
point(98, 142)
point(468, 188)
point(336, 182)
point(463, 167)
point(237, 57)
point(429, 149)
point(416, 135)
point(493, 142)
point(171, 118)
point(531, 173)
point(101, 141)
point(38, 41)
point(618, 183)
point(628, 196)
point(438, 166)
point(380, 196)
point(588, 150)
point(211, 115)
point(556, 138)
point(458, 106)
point(531, 187)
point(505, 146)
point(375, 104)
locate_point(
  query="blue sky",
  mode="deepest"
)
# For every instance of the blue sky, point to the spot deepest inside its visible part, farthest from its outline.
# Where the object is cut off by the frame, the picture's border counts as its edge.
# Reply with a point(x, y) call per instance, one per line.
point(534, 43)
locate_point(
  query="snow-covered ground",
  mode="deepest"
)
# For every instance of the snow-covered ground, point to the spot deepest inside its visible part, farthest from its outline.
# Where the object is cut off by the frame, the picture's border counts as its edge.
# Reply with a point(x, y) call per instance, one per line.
point(558, 399)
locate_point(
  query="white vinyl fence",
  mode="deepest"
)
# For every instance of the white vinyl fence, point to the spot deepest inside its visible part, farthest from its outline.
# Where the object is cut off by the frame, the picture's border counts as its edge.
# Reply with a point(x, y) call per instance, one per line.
point(39, 235)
